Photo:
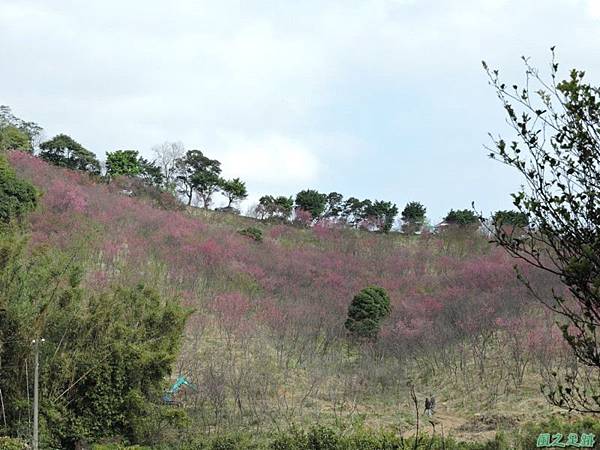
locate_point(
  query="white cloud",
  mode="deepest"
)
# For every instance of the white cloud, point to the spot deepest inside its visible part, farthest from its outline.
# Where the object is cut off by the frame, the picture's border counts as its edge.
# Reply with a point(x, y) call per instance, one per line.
point(299, 87)
point(274, 160)
point(594, 8)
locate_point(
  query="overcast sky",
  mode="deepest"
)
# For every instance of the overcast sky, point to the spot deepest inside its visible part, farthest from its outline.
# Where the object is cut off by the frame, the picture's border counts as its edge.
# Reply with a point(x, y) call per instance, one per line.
point(381, 99)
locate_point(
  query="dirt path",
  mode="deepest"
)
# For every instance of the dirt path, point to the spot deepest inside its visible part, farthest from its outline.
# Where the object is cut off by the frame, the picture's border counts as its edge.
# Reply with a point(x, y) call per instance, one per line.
point(444, 422)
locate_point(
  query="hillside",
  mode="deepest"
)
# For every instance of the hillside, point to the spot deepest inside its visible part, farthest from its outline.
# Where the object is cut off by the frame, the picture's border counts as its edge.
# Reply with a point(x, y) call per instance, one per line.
point(265, 342)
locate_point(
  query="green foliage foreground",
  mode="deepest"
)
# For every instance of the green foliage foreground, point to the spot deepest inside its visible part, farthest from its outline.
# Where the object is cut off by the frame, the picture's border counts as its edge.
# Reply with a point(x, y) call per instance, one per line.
point(105, 356)
point(323, 438)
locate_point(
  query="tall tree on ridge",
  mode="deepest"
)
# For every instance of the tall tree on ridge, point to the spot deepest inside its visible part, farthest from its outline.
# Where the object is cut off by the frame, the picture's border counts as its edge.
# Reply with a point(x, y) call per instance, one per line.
point(413, 217)
point(312, 201)
point(199, 174)
point(234, 190)
point(64, 151)
point(123, 163)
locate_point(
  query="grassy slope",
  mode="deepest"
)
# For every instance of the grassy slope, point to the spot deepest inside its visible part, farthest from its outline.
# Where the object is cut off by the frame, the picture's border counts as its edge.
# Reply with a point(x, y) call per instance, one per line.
point(266, 344)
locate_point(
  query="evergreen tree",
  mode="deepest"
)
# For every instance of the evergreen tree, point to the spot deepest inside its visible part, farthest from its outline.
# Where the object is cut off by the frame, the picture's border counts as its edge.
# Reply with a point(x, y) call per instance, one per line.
point(123, 163)
point(312, 201)
point(334, 207)
point(461, 217)
point(270, 207)
point(511, 218)
point(381, 214)
point(196, 173)
point(64, 151)
point(366, 312)
point(413, 217)
point(234, 190)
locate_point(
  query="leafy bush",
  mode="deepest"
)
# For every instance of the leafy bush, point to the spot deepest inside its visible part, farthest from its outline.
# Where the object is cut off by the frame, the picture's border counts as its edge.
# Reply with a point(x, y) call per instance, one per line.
point(7, 443)
point(17, 197)
point(462, 217)
point(253, 233)
point(527, 436)
point(322, 438)
point(11, 138)
point(225, 443)
point(105, 354)
point(367, 310)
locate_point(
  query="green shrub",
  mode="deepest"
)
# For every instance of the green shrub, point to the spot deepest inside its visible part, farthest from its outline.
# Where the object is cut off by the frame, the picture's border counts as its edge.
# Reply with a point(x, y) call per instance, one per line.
point(527, 436)
point(118, 447)
point(130, 336)
point(368, 308)
point(7, 443)
point(294, 439)
point(367, 440)
point(253, 233)
point(316, 438)
point(17, 197)
point(322, 438)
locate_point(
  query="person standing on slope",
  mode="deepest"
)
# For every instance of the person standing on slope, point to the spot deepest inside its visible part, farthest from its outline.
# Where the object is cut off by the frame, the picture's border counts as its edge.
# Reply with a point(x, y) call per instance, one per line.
point(428, 410)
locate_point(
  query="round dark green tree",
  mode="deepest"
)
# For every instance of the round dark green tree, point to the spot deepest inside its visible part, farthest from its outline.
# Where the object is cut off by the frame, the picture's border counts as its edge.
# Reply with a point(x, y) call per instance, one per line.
point(366, 312)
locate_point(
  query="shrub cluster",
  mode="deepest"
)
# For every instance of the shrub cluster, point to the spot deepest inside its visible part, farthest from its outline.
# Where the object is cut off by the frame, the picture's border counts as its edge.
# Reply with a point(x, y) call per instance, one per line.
point(7, 443)
point(324, 438)
point(253, 233)
point(17, 197)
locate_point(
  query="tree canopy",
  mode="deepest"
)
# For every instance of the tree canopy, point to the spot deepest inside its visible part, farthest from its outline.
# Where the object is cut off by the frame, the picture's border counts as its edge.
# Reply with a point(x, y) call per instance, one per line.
point(270, 207)
point(123, 163)
point(198, 174)
point(311, 201)
point(334, 206)
point(354, 211)
point(511, 218)
point(234, 190)
point(151, 173)
point(11, 138)
point(64, 151)
point(13, 130)
point(413, 217)
point(381, 215)
point(461, 217)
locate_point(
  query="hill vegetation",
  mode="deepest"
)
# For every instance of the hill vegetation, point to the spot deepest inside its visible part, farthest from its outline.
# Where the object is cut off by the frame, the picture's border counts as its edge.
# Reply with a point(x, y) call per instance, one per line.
point(312, 324)
point(266, 345)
